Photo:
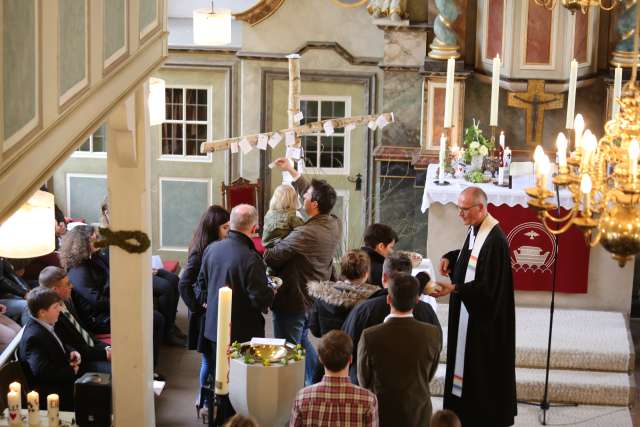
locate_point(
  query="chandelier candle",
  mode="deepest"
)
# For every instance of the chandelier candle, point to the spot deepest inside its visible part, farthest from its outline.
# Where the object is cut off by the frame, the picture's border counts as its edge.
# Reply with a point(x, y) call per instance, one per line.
point(578, 128)
point(561, 144)
point(442, 158)
point(448, 96)
point(588, 148)
point(495, 91)
point(571, 99)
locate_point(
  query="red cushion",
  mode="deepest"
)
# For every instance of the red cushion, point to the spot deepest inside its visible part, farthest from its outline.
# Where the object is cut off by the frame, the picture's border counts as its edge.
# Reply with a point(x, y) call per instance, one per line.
point(171, 265)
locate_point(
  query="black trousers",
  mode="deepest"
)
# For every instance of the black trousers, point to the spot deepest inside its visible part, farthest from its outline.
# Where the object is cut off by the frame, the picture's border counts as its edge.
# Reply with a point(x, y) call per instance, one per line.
point(165, 292)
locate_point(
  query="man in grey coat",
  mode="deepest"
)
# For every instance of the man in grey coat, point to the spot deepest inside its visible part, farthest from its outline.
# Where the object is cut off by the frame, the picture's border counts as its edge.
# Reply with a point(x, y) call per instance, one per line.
point(306, 254)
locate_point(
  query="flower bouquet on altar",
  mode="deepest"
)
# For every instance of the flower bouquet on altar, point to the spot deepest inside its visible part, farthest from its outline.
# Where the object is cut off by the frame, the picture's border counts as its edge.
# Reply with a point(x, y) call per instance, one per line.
point(477, 148)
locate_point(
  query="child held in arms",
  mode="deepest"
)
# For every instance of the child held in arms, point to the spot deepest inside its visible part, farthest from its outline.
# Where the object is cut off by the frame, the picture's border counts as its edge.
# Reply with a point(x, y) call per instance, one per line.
point(282, 216)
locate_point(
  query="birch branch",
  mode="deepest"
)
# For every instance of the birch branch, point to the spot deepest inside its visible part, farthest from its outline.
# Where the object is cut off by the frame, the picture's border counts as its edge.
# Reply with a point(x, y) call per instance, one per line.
point(300, 130)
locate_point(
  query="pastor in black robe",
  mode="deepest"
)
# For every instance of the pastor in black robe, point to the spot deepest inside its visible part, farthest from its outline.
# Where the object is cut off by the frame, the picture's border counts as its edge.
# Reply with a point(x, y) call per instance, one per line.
point(489, 386)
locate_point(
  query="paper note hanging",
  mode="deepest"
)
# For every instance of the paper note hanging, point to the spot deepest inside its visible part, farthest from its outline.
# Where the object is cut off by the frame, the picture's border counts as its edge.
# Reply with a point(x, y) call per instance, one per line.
point(290, 138)
point(294, 153)
point(262, 142)
point(275, 140)
point(328, 127)
point(245, 146)
point(372, 125)
point(301, 166)
point(234, 147)
point(298, 117)
point(381, 121)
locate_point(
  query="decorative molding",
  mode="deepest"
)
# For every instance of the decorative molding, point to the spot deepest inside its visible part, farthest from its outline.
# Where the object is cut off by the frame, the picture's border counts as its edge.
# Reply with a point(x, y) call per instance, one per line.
point(310, 45)
point(259, 11)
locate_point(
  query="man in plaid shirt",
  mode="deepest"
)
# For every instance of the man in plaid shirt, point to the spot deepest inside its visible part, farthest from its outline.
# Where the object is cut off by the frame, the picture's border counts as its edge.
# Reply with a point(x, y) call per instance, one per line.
point(335, 401)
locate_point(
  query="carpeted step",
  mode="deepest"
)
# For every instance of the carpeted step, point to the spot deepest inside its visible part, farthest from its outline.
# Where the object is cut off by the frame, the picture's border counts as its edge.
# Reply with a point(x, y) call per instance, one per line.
point(582, 387)
point(582, 340)
point(582, 415)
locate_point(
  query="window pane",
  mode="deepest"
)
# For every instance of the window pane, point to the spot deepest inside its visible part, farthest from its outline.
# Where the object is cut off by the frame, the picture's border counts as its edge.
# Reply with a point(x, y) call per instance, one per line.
point(192, 96)
point(325, 160)
point(202, 96)
point(86, 146)
point(193, 147)
point(338, 144)
point(202, 113)
point(310, 111)
point(172, 138)
point(174, 111)
point(326, 110)
point(99, 144)
point(338, 160)
point(202, 132)
point(338, 108)
point(310, 146)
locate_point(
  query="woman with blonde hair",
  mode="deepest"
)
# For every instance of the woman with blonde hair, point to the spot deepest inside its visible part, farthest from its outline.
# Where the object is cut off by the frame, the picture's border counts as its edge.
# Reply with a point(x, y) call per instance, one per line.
point(282, 216)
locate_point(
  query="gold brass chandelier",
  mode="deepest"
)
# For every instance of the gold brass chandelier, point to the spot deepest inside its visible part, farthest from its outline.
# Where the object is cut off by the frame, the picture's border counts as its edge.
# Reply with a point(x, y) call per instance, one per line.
point(582, 5)
point(602, 177)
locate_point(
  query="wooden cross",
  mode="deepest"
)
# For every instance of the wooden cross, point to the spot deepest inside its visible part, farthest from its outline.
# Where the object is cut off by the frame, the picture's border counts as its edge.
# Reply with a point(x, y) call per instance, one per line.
point(535, 101)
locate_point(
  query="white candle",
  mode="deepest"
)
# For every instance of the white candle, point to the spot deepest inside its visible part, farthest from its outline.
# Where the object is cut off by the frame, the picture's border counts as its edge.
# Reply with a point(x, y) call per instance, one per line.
point(442, 158)
point(617, 92)
point(538, 154)
point(506, 157)
point(545, 168)
point(634, 151)
point(561, 145)
point(33, 408)
point(448, 97)
point(571, 98)
point(585, 188)
point(17, 387)
point(53, 410)
point(578, 128)
point(501, 139)
point(14, 403)
point(589, 144)
point(495, 90)
point(223, 341)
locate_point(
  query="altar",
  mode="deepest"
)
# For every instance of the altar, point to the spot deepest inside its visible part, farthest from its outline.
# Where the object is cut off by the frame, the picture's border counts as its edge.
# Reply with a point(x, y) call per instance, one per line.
point(606, 286)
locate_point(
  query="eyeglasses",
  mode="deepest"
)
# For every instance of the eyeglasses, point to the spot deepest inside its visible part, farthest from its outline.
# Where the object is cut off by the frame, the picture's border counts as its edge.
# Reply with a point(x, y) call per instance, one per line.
point(466, 210)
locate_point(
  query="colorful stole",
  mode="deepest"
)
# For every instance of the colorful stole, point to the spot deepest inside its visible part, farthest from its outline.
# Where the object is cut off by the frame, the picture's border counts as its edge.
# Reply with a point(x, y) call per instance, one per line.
point(475, 244)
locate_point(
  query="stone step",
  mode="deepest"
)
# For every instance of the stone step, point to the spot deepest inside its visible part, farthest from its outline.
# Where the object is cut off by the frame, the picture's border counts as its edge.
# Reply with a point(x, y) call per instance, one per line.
point(582, 387)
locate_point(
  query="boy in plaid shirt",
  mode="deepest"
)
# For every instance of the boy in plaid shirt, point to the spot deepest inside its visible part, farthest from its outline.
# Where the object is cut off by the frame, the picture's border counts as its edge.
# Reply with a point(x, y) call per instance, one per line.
point(335, 401)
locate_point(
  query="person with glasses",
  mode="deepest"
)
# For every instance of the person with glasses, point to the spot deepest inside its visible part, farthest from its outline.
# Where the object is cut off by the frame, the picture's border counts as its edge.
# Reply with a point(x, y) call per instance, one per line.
point(480, 385)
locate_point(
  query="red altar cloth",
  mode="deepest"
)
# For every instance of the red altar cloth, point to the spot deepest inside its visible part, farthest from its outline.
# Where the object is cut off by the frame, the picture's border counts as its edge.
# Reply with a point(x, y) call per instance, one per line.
point(532, 250)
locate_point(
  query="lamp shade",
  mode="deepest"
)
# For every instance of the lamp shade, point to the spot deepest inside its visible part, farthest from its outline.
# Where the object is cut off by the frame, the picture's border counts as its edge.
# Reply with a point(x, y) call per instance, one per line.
point(30, 231)
point(156, 101)
point(212, 28)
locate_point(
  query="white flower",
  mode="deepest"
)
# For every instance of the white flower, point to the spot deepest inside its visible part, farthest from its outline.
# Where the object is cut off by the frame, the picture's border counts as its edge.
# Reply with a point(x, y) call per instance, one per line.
point(484, 151)
point(474, 145)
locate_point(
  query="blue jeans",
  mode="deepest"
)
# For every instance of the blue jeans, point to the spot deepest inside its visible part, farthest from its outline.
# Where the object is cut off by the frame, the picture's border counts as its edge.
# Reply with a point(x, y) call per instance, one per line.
point(295, 328)
point(16, 309)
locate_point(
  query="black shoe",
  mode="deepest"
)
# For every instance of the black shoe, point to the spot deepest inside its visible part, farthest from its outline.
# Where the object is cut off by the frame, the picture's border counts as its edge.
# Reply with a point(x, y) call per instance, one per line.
point(174, 340)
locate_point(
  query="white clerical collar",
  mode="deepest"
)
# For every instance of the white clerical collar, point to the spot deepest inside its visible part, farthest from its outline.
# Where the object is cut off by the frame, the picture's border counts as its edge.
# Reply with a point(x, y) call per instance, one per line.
point(399, 316)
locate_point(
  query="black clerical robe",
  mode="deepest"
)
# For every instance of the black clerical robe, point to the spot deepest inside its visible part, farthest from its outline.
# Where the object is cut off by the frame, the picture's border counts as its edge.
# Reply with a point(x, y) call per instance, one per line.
point(489, 389)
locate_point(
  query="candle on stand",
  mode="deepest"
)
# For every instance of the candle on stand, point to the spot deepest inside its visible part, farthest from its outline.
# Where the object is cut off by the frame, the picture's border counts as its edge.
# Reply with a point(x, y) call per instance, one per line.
point(617, 92)
point(589, 144)
point(538, 154)
point(33, 408)
point(578, 128)
point(571, 98)
point(14, 403)
point(53, 410)
point(585, 188)
point(545, 168)
point(442, 158)
point(223, 341)
point(634, 152)
point(495, 90)
point(17, 387)
point(561, 145)
point(448, 95)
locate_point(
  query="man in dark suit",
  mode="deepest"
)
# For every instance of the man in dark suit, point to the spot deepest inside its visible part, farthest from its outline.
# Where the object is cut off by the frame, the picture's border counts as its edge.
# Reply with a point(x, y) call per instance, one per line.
point(234, 262)
point(375, 309)
point(398, 359)
point(50, 366)
point(96, 355)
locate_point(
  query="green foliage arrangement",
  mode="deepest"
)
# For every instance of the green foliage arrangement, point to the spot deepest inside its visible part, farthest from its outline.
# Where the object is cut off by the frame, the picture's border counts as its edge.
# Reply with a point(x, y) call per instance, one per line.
point(477, 177)
point(240, 351)
point(475, 143)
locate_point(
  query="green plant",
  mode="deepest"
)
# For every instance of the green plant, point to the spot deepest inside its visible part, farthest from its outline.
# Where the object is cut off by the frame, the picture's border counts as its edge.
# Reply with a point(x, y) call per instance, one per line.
point(475, 143)
point(477, 177)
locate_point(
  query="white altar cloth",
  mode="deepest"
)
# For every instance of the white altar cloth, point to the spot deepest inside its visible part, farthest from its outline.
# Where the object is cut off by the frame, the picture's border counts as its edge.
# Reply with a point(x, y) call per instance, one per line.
point(444, 194)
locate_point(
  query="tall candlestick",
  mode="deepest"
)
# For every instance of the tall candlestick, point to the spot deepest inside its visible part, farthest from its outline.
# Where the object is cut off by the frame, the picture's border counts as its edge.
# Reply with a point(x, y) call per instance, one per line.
point(14, 404)
point(33, 408)
point(223, 340)
point(578, 128)
point(53, 410)
point(561, 144)
point(495, 90)
point(617, 92)
point(442, 158)
point(448, 97)
point(571, 99)
point(634, 152)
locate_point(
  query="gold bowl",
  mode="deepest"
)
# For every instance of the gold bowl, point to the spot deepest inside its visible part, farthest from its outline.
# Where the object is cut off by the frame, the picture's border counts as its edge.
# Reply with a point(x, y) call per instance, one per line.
point(272, 353)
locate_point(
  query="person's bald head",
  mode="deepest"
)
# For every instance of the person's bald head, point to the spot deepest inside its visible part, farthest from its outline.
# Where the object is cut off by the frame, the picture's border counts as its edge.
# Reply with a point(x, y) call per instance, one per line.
point(472, 206)
point(244, 218)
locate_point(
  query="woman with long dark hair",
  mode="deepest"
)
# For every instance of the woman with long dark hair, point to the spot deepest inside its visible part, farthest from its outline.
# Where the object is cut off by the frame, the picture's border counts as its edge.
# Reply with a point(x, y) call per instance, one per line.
point(213, 225)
